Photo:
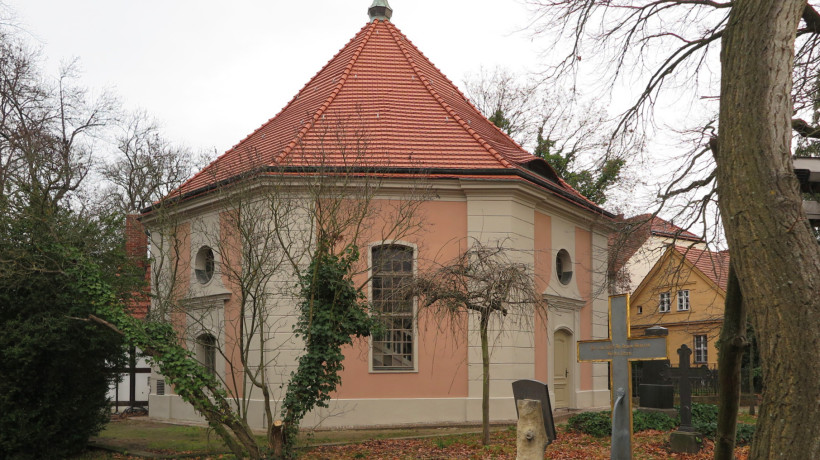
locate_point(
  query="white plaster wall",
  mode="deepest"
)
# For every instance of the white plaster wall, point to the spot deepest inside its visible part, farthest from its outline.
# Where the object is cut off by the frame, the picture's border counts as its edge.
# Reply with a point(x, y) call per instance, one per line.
point(599, 395)
point(493, 217)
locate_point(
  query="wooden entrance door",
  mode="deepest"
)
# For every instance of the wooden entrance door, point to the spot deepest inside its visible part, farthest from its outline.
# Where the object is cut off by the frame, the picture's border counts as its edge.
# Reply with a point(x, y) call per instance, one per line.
point(563, 377)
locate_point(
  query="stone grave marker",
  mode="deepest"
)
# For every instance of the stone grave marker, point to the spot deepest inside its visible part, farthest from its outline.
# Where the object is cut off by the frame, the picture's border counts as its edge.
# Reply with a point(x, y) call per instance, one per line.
point(685, 439)
point(538, 391)
point(618, 351)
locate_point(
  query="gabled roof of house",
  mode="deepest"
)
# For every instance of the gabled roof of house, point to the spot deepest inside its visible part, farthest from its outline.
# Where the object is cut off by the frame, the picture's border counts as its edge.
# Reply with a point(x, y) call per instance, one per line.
point(714, 265)
point(678, 262)
point(381, 104)
point(636, 230)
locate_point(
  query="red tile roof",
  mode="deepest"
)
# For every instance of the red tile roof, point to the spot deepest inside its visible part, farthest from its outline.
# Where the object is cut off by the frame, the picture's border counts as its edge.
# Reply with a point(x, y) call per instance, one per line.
point(715, 265)
point(380, 103)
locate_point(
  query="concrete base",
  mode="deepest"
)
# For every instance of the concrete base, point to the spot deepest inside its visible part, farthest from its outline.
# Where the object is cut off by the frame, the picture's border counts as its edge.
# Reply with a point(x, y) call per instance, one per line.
point(685, 442)
point(670, 412)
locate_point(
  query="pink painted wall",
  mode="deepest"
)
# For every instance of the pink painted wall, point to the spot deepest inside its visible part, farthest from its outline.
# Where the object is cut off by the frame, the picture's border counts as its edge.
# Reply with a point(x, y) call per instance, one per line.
point(543, 272)
point(583, 270)
point(442, 348)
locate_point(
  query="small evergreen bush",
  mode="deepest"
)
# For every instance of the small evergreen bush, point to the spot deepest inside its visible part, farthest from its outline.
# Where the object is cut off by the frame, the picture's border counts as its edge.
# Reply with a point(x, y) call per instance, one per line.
point(745, 433)
point(600, 423)
point(592, 423)
point(704, 421)
point(643, 420)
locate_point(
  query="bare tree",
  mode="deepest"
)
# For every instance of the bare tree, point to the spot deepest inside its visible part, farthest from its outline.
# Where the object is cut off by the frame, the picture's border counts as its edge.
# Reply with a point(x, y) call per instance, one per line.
point(768, 64)
point(147, 166)
point(482, 281)
point(47, 129)
point(561, 127)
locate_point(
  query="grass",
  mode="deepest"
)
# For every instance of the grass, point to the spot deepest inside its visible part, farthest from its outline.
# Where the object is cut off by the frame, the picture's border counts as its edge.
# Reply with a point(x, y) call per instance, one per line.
point(137, 436)
point(142, 436)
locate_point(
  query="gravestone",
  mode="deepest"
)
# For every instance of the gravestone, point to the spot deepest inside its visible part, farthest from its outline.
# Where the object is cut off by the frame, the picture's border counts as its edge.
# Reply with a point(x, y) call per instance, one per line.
point(685, 439)
point(655, 390)
point(538, 391)
point(619, 350)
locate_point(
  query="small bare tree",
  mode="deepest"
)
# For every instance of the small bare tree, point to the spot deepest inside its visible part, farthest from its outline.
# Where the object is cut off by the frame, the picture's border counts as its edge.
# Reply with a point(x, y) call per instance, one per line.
point(484, 281)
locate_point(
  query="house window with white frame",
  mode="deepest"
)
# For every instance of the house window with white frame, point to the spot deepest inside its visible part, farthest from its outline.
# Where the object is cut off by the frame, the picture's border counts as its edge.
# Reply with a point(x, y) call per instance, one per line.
point(701, 349)
point(393, 305)
point(683, 300)
point(665, 302)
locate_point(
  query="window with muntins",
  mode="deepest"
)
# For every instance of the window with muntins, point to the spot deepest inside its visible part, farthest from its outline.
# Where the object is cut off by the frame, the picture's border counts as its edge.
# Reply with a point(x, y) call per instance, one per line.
point(701, 350)
point(206, 352)
point(665, 302)
point(393, 305)
point(683, 300)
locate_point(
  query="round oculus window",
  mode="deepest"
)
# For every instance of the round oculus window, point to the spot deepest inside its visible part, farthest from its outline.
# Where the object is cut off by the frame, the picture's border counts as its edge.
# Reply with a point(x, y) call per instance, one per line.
point(204, 265)
point(563, 266)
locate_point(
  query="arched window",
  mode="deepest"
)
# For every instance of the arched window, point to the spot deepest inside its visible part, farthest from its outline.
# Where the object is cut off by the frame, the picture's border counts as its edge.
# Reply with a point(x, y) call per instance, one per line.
point(206, 352)
point(393, 305)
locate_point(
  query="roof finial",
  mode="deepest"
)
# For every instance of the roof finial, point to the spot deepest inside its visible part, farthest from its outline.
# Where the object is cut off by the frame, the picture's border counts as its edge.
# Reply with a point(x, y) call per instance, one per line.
point(380, 9)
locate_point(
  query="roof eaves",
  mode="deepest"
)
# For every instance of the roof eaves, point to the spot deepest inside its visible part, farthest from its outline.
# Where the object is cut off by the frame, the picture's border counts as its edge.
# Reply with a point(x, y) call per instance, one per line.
point(522, 173)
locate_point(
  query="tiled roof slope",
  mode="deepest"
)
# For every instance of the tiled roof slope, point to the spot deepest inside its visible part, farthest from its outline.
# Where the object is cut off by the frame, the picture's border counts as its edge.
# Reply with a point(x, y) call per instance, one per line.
point(378, 103)
point(715, 265)
point(634, 233)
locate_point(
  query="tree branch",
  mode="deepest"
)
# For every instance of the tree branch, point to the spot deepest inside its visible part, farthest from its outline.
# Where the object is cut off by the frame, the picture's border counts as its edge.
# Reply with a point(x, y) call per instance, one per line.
point(804, 129)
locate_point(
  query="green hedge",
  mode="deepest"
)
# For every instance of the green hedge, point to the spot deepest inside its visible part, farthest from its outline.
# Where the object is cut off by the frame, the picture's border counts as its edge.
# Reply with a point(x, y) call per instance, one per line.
point(704, 420)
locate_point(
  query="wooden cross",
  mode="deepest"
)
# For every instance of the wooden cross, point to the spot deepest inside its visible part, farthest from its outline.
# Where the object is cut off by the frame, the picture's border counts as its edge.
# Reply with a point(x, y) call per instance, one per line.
point(619, 350)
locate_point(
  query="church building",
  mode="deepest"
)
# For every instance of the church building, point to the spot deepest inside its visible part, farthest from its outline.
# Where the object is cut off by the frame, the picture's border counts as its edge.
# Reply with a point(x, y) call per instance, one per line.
point(382, 119)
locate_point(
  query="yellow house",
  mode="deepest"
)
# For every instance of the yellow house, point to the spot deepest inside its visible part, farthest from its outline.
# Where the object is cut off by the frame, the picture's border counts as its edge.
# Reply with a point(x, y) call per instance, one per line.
point(684, 292)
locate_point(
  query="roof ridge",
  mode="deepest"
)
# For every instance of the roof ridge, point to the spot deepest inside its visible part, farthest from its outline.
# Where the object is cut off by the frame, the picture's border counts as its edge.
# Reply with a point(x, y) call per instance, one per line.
point(342, 80)
point(394, 31)
point(461, 93)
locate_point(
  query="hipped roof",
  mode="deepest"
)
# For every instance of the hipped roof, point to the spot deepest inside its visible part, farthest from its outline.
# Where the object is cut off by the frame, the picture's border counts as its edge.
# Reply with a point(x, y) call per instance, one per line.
point(380, 104)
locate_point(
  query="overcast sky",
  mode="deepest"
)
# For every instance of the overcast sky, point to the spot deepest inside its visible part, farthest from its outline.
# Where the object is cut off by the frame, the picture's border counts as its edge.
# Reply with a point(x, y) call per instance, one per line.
point(214, 71)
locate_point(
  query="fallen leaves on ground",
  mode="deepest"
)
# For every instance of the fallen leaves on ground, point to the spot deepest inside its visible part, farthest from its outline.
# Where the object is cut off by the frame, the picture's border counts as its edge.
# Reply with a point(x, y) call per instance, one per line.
point(649, 445)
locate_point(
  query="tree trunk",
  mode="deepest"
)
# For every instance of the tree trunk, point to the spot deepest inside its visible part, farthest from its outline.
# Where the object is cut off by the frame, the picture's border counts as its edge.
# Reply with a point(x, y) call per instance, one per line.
point(276, 437)
point(732, 342)
point(485, 384)
point(773, 250)
point(753, 398)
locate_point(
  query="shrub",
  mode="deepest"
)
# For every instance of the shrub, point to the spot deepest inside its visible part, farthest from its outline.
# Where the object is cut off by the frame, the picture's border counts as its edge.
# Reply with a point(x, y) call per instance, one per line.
point(704, 419)
point(642, 421)
point(593, 423)
point(55, 369)
point(745, 433)
point(600, 424)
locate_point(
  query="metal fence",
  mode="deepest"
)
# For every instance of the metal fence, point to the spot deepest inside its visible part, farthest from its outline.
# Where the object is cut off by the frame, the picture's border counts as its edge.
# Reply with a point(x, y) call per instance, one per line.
point(704, 381)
